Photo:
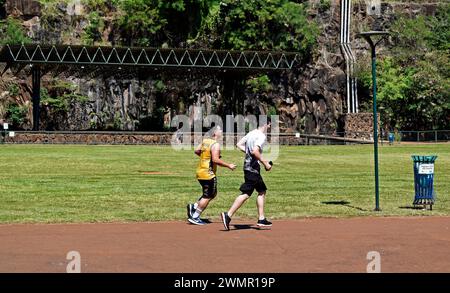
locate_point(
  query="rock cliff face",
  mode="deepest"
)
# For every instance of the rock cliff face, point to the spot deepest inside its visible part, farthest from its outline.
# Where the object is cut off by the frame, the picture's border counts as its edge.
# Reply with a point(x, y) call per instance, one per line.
point(22, 8)
point(309, 99)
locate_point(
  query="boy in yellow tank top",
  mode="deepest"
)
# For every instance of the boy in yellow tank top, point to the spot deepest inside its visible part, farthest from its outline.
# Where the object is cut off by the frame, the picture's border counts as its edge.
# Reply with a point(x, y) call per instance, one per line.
point(209, 153)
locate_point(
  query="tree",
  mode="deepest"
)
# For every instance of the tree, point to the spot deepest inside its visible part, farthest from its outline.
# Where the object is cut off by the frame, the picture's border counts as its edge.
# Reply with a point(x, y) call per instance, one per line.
point(414, 79)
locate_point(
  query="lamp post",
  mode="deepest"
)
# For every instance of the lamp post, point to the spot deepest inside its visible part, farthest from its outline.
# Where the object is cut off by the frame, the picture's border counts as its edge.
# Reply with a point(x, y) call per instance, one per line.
point(382, 125)
point(368, 37)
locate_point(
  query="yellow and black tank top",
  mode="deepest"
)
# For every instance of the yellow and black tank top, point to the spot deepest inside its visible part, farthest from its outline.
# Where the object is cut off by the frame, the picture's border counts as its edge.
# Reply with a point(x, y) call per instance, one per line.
point(206, 169)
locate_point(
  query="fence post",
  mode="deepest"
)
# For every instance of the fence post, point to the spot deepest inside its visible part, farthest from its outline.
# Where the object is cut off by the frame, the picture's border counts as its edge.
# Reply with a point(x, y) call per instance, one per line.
point(417, 136)
point(435, 136)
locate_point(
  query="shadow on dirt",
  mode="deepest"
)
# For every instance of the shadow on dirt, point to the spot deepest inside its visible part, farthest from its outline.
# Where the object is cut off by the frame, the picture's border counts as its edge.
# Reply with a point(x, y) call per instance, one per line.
point(343, 203)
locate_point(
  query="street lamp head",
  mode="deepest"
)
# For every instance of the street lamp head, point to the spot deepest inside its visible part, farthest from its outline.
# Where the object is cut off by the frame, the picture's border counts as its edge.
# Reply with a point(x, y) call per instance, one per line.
point(368, 36)
point(373, 33)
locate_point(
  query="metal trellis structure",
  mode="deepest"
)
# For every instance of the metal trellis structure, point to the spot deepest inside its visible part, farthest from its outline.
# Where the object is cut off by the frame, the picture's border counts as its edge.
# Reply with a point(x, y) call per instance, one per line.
point(147, 57)
point(101, 60)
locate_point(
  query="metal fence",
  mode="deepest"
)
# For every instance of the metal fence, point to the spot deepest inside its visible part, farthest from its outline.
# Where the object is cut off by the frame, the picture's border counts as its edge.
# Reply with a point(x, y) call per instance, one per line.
point(423, 136)
point(166, 138)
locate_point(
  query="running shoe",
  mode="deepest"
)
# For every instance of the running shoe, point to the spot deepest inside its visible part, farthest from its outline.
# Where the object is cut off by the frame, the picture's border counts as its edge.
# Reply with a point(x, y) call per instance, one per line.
point(226, 220)
point(190, 210)
point(264, 223)
point(196, 221)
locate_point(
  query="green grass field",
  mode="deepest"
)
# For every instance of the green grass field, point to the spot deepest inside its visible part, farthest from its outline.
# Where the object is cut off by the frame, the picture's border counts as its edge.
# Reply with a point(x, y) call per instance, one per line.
point(77, 183)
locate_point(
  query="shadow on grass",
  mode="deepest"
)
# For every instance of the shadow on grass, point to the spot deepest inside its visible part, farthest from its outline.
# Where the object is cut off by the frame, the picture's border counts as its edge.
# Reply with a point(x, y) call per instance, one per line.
point(412, 208)
point(343, 203)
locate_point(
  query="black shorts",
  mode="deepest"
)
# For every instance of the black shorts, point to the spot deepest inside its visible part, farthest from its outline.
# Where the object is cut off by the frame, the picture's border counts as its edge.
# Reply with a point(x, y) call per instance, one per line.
point(252, 181)
point(209, 188)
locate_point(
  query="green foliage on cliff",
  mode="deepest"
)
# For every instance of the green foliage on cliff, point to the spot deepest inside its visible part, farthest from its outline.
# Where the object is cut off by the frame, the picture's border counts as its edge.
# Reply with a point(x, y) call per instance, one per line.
point(159, 86)
point(99, 6)
point(13, 90)
point(413, 76)
point(155, 22)
point(92, 32)
point(227, 24)
point(324, 5)
point(16, 114)
point(60, 94)
point(266, 25)
point(440, 38)
point(12, 32)
point(55, 103)
point(259, 84)
point(51, 13)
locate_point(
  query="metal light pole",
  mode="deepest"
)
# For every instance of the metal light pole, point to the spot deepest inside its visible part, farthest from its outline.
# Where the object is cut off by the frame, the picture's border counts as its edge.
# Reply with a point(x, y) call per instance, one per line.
point(381, 108)
point(368, 37)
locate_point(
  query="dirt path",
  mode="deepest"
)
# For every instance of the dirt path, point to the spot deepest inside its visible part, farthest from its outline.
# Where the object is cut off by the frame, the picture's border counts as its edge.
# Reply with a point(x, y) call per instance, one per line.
point(415, 244)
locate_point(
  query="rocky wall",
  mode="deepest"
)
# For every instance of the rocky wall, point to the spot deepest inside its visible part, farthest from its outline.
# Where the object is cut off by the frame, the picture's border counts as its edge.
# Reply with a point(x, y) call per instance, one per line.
point(308, 99)
point(360, 125)
point(125, 139)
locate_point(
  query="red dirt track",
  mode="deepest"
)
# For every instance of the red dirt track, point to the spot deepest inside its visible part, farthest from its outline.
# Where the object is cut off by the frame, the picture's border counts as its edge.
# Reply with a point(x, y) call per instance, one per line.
point(412, 244)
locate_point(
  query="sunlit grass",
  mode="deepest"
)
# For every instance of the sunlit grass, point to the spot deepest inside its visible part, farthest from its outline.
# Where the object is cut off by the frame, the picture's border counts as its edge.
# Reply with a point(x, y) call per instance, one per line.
point(68, 183)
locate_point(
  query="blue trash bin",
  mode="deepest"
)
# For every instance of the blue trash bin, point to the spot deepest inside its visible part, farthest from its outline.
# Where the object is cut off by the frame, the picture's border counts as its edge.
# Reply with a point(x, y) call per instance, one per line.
point(423, 180)
point(391, 138)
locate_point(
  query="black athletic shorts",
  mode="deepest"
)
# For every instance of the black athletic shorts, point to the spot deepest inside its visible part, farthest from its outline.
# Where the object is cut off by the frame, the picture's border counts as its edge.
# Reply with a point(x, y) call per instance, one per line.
point(252, 181)
point(209, 188)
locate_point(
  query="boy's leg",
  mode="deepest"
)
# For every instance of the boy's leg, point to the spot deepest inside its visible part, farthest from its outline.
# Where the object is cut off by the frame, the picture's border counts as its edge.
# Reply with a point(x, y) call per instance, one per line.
point(261, 188)
point(247, 189)
point(260, 200)
point(209, 193)
point(201, 206)
point(238, 202)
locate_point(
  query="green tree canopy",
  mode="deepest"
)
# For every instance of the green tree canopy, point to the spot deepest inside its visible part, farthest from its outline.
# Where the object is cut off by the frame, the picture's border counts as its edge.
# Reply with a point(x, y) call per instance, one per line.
point(414, 74)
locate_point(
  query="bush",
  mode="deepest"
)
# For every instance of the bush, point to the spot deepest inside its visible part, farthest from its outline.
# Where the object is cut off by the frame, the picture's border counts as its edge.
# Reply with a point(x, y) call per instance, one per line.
point(51, 13)
point(324, 5)
point(159, 86)
point(259, 84)
point(60, 95)
point(272, 111)
point(16, 114)
point(99, 6)
point(13, 90)
point(12, 32)
point(92, 32)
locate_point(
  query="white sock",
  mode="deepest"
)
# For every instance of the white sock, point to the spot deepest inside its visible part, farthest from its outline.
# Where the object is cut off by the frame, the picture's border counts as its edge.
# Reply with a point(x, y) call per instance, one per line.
point(197, 213)
point(261, 218)
point(195, 206)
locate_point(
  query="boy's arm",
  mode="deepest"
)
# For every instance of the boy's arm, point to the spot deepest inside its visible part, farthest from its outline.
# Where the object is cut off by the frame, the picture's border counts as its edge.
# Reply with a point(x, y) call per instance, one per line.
point(256, 152)
point(215, 152)
point(241, 144)
point(198, 150)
